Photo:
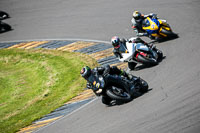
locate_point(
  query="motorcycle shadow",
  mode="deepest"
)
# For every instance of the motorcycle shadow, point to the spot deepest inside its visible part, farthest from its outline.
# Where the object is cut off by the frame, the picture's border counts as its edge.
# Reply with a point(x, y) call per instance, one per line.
point(144, 66)
point(118, 103)
point(4, 31)
point(166, 39)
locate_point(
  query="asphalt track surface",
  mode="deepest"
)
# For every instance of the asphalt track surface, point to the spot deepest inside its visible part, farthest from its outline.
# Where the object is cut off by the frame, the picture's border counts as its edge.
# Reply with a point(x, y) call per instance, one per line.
point(172, 105)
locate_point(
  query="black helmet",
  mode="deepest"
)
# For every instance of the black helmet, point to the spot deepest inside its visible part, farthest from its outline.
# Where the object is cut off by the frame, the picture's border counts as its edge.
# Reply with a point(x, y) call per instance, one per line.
point(85, 72)
point(115, 41)
point(137, 15)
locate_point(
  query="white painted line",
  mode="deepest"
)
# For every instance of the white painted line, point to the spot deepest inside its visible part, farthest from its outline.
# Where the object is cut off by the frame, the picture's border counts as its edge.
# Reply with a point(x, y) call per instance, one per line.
point(66, 115)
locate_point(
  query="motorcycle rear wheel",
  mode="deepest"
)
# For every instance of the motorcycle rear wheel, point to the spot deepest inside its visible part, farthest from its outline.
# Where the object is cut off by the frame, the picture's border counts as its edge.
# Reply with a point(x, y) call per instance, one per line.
point(169, 33)
point(122, 97)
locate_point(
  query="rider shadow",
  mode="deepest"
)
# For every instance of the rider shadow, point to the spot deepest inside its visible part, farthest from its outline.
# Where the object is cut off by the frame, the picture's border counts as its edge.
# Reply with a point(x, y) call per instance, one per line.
point(118, 103)
point(142, 66)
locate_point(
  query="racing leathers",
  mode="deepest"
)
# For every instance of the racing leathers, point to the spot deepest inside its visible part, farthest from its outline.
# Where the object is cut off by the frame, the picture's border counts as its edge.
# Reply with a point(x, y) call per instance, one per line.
point(123, 49)
point(110, 75)
point(137, 24)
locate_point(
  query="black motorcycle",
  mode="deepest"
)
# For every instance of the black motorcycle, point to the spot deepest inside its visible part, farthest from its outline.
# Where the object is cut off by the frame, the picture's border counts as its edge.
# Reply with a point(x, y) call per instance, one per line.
point(113, 92)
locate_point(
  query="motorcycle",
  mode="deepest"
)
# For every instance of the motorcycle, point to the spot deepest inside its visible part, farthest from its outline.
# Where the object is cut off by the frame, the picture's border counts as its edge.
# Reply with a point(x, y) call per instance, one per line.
point(114, 92)
point(4, 15)
point(157, 28)
point(135, 53)
point(4, 27)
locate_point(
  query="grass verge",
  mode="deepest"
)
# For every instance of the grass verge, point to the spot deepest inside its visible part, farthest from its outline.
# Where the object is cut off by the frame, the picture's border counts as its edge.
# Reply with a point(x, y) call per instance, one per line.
point(35, 82)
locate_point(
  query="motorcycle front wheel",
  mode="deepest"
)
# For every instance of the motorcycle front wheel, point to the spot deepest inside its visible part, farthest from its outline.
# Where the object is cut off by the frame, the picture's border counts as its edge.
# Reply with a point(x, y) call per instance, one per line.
point(146, 60)
point(118, 94)
point(169, 33)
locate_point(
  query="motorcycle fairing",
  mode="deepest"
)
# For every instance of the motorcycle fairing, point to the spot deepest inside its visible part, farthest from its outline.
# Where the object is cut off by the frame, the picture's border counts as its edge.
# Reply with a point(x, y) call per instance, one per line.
point(128, 55)
point(96, 82)
point(141, 47)
point(151, 26)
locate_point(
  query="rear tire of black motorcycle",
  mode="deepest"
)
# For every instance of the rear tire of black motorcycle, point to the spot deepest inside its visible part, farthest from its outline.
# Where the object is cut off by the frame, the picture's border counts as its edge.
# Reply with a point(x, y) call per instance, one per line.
point(131, 65)
point(116, 97)
point(146, 61)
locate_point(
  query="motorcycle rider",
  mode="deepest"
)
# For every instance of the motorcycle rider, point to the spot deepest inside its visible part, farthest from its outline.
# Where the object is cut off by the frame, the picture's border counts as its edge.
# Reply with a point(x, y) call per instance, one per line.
point(137, 22)
point(109, 75)
point(120, 45)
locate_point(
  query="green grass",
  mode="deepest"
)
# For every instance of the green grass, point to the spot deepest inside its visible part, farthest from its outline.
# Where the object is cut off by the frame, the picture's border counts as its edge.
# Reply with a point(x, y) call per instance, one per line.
point(35, 82)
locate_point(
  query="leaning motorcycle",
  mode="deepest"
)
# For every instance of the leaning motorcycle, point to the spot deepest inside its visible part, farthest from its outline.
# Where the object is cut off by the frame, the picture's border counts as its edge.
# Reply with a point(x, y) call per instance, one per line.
point(157, 28)
point(113, 92)
point(135, 53)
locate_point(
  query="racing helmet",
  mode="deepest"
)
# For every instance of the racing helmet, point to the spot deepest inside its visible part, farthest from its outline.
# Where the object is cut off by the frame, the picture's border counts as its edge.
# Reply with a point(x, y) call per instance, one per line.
point(137, 15)
point(85, 72)
point(115, 41)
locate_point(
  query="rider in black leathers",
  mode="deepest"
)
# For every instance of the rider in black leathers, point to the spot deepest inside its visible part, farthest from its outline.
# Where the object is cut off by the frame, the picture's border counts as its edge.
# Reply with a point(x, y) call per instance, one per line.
point(110, 77)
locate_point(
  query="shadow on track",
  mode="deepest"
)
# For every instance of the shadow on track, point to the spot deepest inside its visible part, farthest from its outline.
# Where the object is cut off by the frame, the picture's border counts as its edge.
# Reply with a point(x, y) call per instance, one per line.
point(165, 39)
point(143, 66)
point(118, 103)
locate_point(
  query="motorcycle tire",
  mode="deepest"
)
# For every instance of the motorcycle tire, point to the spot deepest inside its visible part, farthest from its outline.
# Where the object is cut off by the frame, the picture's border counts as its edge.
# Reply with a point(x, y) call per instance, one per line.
point(147, 61)
point(131, 65)
point(125, 97)
point(144, 86)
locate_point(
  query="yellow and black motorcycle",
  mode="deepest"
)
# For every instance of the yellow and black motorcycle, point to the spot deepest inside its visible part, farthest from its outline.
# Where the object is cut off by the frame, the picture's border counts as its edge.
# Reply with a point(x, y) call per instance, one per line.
point(157, 28)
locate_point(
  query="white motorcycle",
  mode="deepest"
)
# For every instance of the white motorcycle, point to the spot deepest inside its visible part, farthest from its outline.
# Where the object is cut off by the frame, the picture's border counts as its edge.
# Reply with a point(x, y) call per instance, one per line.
point(135, 53)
